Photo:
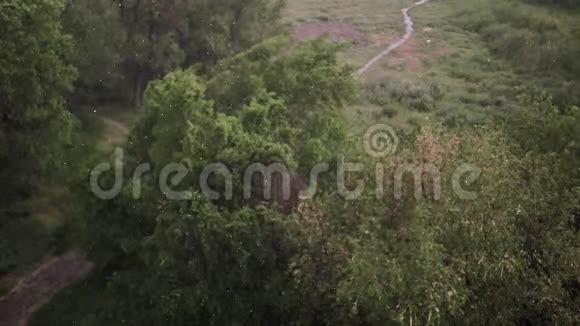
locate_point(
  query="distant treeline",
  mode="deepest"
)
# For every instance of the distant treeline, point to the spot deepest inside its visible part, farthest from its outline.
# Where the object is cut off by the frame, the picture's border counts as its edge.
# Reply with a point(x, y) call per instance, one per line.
point(120, 45)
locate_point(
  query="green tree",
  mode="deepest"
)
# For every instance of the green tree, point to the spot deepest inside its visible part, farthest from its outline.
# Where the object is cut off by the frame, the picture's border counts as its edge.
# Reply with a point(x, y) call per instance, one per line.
point(314, 87)
point(99, 49)
point(35, 76)
point(123, 44)
point(35, 128)
point(170, 34)
point(243, 250)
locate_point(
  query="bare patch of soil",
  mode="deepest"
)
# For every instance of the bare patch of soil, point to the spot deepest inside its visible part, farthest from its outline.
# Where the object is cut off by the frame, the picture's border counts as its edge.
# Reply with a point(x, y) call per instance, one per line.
point(411, 56)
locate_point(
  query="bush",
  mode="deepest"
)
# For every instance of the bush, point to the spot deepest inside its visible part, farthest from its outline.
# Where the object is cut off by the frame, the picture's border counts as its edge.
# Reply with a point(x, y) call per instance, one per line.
point(416, 96)
point(425, 103)
point(414, 121)
point(437, 91)
point(560, 3)
point(390, 112)
point(524, 35)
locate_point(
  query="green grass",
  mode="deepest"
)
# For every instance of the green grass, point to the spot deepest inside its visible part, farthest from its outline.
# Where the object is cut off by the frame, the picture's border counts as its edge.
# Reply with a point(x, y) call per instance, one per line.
point(532, 37)
point(456, 46)
point(447, 57)
point(373, 16)
point(380, 19)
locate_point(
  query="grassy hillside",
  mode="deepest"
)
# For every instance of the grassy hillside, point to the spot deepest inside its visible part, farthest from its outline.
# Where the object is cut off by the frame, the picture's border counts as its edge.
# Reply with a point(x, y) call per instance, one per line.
point(467, 60)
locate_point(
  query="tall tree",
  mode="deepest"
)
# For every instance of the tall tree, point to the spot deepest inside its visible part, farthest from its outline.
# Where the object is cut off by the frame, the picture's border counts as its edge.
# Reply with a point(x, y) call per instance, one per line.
point(99, 48)
point(35, 77)
point(123, 44)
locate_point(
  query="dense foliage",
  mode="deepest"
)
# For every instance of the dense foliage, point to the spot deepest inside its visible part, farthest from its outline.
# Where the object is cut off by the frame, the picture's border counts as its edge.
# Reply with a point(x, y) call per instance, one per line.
point(122, 45)
point(214, 89)
point(35, 79)
point(516, 32)
point(368, 261)
point(35, 127)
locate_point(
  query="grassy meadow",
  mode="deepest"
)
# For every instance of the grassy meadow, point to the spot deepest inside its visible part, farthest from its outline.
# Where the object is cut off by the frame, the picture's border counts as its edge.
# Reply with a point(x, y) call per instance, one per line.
point(466, 62)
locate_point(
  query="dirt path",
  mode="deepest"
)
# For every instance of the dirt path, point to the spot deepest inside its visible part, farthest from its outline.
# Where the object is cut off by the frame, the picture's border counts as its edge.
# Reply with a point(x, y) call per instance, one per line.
point(48, 279)
point(408, 32)
point(38, 288)
point(123, 129)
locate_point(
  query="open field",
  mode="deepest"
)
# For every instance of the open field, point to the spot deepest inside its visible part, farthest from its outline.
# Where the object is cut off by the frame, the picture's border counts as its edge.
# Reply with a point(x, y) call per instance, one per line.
point(471, 83)
point(379, 20)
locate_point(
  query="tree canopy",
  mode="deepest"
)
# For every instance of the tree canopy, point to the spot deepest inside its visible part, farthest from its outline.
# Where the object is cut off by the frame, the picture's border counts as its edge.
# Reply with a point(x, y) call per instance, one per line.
point(36, 76)
point(465, 222)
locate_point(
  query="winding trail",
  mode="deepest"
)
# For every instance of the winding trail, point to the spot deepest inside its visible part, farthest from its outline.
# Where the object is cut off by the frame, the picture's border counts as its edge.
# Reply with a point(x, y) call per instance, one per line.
point(408, 32)
point(52, 276)
point(38, 288)
point(122, 128)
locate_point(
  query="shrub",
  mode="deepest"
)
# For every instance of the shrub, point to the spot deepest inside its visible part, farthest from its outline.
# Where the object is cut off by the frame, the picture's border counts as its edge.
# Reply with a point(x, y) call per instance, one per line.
point(437, 91)
point(527, 36)
point(414, 121)
point(416, 96)
point(425, 103)
point(390, 112)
